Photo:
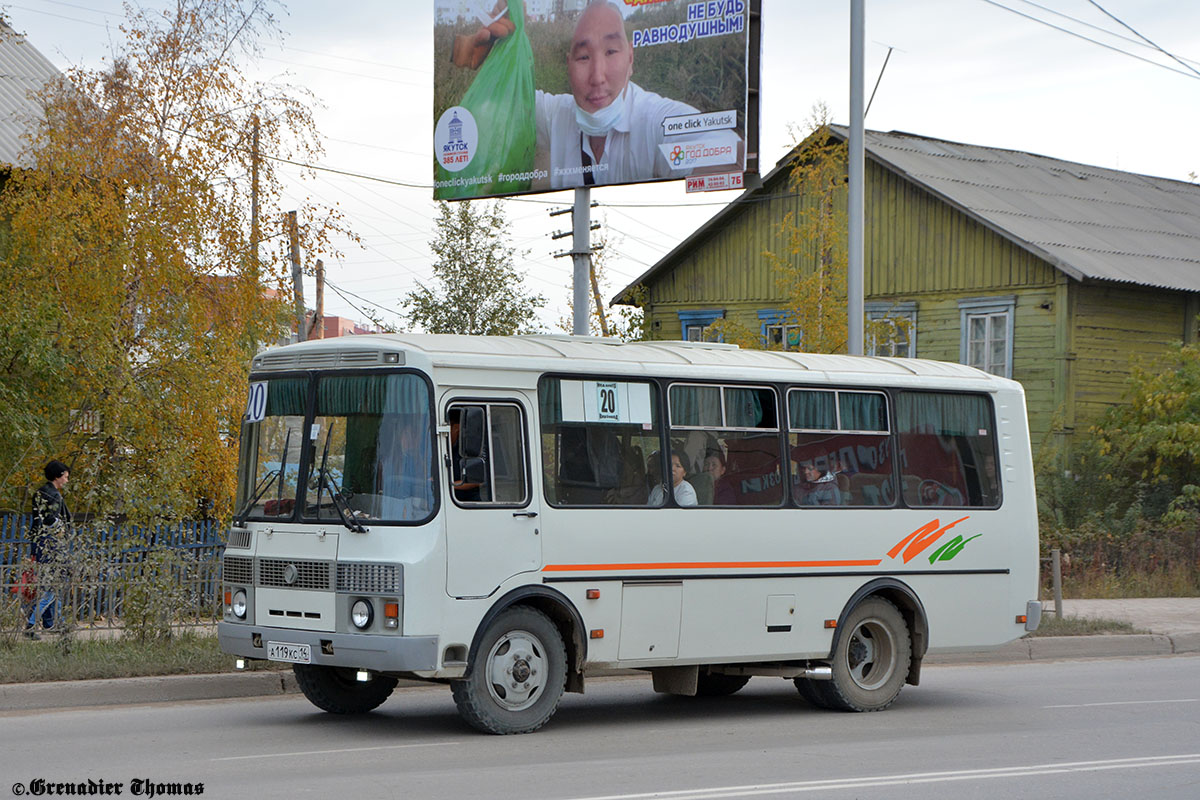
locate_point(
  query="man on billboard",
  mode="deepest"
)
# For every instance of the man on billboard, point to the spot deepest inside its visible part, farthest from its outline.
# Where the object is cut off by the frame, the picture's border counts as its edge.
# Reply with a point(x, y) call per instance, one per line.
point(610, 130)
point(534, 95)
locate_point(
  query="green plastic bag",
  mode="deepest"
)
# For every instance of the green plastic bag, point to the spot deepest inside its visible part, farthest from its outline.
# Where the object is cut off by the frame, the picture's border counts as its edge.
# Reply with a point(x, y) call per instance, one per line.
point(501, 98)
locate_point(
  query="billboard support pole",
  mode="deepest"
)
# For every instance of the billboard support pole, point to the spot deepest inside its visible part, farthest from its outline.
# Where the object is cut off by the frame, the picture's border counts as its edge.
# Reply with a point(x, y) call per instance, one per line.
point(581, 255)
point(855, 211)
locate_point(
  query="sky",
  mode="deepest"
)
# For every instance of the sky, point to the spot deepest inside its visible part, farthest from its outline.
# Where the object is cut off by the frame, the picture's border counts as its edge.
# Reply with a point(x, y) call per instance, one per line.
point(983, 72)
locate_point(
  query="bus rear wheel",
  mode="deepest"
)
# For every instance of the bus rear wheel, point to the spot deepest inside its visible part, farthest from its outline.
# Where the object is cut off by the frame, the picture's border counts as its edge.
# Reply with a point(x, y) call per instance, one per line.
point(813, 692)
point(338, 690)
point(870, 662)
point(516, 681)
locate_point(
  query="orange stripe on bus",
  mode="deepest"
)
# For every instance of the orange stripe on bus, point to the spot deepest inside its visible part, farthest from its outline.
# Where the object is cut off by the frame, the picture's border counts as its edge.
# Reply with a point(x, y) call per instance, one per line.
point(709, 565)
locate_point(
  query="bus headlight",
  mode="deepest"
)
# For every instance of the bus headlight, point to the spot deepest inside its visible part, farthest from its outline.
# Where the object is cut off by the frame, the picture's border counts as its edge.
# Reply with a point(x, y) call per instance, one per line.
point(361, 614)
point(238, 606)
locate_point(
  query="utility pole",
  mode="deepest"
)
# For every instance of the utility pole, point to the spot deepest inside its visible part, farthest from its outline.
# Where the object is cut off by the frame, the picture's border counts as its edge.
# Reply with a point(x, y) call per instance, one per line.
point(599, 302)
point(317, 329)
point(297, 275)
point(255, 235)
point(855, 195)
point(583, 275)
point(581, 255)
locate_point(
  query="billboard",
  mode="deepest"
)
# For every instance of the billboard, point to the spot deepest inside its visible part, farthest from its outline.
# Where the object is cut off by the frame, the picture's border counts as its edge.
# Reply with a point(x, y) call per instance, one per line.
point(543, 95)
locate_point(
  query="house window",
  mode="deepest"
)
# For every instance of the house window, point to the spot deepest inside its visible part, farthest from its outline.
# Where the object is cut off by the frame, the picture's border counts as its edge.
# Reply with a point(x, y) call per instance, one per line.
point(891, 329)
point(987, 333)
point(778, 331)
point(694, 324)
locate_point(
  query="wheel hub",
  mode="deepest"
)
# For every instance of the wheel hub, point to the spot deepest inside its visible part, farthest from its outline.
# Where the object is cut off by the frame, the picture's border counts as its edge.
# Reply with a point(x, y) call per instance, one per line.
point(516, 669)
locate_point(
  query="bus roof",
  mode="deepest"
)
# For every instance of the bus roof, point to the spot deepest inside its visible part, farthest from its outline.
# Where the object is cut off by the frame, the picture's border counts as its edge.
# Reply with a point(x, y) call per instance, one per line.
point(562, 353)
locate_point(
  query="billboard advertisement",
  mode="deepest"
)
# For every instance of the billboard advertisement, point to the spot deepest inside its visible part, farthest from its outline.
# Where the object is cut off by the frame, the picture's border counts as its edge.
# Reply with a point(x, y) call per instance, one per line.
point(544, 95)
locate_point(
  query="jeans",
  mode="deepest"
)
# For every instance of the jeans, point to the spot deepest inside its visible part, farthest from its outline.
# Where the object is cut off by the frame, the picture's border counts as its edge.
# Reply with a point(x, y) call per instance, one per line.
point(47, 607)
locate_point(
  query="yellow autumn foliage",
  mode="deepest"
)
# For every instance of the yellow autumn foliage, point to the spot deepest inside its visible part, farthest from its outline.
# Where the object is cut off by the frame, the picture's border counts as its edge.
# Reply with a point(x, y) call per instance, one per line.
point(131, 298)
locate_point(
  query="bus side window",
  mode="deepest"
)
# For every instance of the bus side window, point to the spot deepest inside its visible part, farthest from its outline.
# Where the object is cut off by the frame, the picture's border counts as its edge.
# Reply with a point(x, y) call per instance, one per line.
point(947, 445)
point(487, 463)
point(728, 439)
point(841, 451)
point(596, 439)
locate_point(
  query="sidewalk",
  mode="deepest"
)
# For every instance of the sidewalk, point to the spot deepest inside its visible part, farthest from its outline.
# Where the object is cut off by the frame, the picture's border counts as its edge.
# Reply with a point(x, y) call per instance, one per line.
point(1173, 625)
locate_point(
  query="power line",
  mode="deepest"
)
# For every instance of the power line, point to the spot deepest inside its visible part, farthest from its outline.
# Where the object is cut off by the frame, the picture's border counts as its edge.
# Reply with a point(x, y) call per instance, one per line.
point(1087, 24)
point(1123, 24)
point(1089, 39)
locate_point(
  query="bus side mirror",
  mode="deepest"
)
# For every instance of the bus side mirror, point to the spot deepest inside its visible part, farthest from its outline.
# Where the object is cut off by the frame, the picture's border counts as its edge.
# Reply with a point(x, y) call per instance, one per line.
point(470, 436)
point(474, 471)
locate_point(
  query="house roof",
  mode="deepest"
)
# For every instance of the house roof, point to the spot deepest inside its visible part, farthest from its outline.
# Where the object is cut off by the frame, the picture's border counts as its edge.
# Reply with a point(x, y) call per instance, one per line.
point(1089, 222)
point(23, 73)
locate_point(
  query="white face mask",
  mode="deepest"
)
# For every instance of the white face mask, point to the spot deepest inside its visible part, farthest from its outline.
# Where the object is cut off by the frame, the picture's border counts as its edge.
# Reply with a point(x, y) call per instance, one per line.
point(602, 120)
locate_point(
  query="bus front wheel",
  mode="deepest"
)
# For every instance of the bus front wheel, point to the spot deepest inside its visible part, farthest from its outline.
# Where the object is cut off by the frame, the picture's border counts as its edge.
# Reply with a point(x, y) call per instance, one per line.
point(338, 690)
point(516, 681)
point(870, 662)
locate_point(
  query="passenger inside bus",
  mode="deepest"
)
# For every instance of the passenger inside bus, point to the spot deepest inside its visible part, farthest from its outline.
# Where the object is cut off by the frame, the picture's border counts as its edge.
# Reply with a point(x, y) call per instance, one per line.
point(685, 494)
point(820, 487)
point(714, 465)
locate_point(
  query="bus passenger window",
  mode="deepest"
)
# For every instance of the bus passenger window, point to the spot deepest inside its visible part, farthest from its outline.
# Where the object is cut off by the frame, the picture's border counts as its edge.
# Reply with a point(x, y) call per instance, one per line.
point(841, 451)
point(600, 441)
point(728, 439)
point(947, 449)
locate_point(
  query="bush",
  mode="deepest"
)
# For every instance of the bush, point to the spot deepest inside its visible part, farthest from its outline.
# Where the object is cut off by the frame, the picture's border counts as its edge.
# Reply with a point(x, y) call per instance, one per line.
point(1123, 504)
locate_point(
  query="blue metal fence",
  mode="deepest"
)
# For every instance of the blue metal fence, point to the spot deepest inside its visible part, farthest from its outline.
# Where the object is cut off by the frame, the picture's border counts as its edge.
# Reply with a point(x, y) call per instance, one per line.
point(124, 548)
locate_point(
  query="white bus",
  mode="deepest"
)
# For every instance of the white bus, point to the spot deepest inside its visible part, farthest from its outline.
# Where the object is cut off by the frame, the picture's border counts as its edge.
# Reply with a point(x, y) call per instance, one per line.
point(506, 514)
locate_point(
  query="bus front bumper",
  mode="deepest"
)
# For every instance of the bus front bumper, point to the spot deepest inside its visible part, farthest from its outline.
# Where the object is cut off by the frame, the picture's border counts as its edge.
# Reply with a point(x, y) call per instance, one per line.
point(379, 653)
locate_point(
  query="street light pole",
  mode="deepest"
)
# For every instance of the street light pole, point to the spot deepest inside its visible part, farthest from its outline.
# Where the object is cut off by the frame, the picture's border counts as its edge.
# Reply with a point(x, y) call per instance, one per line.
point(855, 212)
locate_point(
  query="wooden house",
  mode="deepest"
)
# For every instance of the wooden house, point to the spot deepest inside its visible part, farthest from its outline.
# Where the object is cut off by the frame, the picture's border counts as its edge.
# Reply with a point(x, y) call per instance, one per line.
point(1059, 275)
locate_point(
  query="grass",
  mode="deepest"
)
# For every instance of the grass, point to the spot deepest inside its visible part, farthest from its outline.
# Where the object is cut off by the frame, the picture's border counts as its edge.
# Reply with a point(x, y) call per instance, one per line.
point(1082, 626)
point(25, 661)
point(1172, 581)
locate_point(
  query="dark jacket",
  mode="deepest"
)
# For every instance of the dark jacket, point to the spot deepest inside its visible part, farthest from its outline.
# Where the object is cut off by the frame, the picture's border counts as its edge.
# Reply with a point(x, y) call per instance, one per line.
point(49, 509)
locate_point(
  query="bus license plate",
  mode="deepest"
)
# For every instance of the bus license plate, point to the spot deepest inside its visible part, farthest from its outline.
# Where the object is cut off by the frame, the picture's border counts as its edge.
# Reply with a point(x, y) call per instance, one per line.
point(292, 653)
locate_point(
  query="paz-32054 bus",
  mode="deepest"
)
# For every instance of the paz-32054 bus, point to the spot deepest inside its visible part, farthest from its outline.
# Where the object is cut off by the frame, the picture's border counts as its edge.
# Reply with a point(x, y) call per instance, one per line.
point(505, 514)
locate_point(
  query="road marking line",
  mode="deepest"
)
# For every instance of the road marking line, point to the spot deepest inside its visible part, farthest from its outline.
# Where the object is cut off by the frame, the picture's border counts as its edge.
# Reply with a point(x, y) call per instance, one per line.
point(330, 752)
point(713, 793)
point(1127, 703)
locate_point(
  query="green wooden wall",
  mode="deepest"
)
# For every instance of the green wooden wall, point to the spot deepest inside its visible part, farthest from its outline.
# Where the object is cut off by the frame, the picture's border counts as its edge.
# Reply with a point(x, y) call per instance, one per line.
point(1073, 343)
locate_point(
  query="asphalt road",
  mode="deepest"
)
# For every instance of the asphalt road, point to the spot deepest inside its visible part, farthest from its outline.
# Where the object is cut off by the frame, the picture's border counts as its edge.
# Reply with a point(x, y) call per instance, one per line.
point(1072, 729)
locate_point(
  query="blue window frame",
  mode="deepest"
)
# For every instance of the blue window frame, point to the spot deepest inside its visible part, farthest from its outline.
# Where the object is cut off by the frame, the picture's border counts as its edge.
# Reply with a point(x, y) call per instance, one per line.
point(693, 324)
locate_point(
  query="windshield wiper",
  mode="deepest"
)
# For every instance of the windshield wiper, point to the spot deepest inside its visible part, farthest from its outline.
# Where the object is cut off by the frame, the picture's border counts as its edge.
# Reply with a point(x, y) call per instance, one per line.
point(325, 479)
point(239, 518)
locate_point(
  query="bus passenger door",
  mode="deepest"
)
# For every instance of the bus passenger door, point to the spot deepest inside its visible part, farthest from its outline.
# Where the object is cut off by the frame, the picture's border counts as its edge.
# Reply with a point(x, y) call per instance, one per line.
point(491, 511)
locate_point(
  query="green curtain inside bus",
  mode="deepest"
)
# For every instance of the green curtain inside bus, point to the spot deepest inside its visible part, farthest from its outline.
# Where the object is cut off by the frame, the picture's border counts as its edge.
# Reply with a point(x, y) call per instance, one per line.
point(341, 395)
point(286, 397)
point(696, 406)
point(749, 408)
point(812, 410)
point(862, 411)
point(943, 414)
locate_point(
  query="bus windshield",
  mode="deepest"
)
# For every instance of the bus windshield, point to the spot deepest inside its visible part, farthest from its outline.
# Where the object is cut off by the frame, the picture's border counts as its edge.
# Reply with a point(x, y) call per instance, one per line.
point(367, 447)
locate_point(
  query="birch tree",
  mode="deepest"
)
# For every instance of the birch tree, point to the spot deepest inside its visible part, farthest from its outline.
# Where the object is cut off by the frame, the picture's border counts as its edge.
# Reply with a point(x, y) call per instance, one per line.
point(131, 299)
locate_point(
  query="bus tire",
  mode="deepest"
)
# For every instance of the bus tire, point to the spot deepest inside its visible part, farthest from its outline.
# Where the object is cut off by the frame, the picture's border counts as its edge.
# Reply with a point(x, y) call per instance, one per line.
point(813, 692)
point(714, 684)
point(338, 690)
point(518, 676)
point(870, 661)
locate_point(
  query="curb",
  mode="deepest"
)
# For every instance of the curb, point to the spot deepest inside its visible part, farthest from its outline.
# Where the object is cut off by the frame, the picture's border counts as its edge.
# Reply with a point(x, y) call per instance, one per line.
point(154, 689)
point(229, 685)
